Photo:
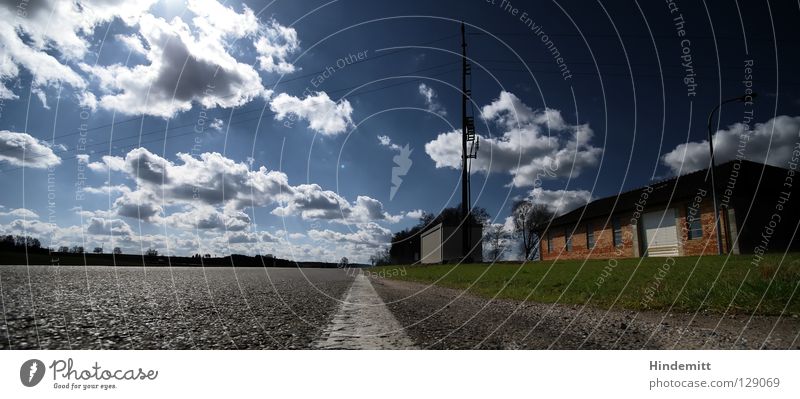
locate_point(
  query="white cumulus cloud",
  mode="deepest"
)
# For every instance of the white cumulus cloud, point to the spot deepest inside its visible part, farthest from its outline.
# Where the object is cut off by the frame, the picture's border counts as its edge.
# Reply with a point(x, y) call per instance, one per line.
point(275, 45)
point(22, 149)
point(771, 143)
point(534, 145)
point(560, 201)
point(185, 66)
point(43, 36)
point(324, 115)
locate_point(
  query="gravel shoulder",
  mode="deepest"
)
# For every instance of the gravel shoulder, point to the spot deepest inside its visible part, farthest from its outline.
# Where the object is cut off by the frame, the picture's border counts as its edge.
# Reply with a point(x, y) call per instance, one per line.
point(442, 318)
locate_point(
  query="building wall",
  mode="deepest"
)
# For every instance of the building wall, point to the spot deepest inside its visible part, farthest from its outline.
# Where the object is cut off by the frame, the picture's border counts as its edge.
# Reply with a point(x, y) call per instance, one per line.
point(604, 242)
point(632, 237)
point(707, 244)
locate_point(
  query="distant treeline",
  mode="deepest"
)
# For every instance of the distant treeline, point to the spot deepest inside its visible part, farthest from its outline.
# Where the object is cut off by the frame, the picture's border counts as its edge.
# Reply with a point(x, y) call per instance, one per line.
point(18, 243)
point(13, 252)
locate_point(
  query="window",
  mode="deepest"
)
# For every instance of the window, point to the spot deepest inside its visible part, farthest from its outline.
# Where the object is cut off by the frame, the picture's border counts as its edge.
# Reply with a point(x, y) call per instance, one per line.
point(567, 239)
point(617, 232)
point(694, 226)
point(589, 236)
point(549, 242)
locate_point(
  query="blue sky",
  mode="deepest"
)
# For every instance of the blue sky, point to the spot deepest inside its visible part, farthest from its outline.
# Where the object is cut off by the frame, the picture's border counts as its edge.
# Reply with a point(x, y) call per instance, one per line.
point(273, 127)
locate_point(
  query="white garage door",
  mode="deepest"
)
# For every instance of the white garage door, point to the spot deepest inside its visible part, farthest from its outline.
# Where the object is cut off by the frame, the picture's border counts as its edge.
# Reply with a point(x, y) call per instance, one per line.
point(432, 245)
point(661, 233)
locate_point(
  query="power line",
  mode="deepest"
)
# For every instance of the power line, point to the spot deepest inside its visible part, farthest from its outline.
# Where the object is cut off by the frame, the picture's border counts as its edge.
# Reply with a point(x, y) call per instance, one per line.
point(635, 76)
point(600, 64)
point(642, 36)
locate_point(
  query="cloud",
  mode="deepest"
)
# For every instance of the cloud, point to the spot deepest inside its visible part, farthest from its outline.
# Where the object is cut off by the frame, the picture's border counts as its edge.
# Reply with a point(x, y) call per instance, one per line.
point(534, 145)
point(323, 114)
point(184, 68)
point(210, 179)
point(217, 124)
point(431, 100)
point(22, 149)
point(370, 234)
point(21, 213)
point(310, 201)
point(274, 46)
point(35, 228)
point(387, 142)
point(415, 214)
point(112, 163)
point(116, 227)
point(560, 201)
point(107, 190)
point(188, 59)
point(245, 237)
point(46, 42)
point(771, 143)
point(207, 217)
point(214, 189)
point(138, 204)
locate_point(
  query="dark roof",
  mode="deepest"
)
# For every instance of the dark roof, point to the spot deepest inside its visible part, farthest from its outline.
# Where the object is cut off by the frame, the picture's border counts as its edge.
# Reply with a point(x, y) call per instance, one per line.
point(663, 192)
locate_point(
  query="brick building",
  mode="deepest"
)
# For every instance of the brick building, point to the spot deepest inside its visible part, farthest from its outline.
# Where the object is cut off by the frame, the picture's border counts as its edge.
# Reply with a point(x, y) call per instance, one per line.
point(675, 217)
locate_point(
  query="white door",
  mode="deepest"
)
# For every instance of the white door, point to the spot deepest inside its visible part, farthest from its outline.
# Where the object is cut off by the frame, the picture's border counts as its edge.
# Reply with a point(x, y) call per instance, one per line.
point(661, 233)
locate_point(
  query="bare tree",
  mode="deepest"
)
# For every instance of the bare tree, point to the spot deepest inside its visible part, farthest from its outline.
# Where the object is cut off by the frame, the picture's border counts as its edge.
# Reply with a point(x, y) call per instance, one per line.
point(497, 237)
point(530, 220)
point(117, 251)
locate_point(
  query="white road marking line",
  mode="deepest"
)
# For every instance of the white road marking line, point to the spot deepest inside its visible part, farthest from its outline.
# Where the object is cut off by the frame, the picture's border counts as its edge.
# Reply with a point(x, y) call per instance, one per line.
point(364, 322)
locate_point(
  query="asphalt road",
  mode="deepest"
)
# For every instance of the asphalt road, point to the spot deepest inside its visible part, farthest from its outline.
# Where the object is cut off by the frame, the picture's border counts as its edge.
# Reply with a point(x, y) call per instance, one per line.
point(102, 307)
point(98, 307)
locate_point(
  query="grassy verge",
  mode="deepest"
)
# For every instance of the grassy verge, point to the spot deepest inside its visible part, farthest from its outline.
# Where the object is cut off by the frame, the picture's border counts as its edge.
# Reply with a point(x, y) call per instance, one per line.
point(706, 283)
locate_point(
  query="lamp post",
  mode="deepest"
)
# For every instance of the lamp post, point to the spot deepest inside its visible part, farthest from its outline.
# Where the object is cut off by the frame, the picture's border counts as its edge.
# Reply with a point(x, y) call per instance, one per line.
point(744, 98)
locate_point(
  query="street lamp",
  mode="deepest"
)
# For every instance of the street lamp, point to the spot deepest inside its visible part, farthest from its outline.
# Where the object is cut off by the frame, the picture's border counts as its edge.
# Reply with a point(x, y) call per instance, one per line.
point(744, 98)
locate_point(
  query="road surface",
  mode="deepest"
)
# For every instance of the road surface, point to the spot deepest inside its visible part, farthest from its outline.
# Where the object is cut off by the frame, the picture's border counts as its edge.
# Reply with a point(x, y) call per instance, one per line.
point(103, 307)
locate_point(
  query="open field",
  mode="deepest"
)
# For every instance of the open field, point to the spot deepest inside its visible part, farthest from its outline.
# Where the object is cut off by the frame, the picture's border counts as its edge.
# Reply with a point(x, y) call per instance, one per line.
point(717, 284)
